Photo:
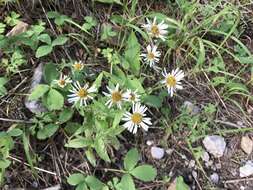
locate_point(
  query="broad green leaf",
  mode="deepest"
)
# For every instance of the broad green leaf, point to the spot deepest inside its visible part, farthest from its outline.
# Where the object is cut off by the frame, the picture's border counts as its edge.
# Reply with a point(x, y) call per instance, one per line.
point(66, 115)
point(76, 179)
point(79, 142)
point(132, 53)
point(50, 72)
point(180, 184)
point(60, 40)
point(82, 186)
point(153, 101)
point(144, 173)
point(43, 50)
point(52, 14)
point(72, 127)
point(131, 159)
point(47, 131)
point(135, 84)
point(94, 183)
point(4, 164)
point(126, 183)
point(117, 118)
point(98, 80)
point(45, 38)
point(91, 157)
point(3, 81)
point(55, 100)
point(101, 149)
point(110, 1)
point(15, 132)
point(38, 91)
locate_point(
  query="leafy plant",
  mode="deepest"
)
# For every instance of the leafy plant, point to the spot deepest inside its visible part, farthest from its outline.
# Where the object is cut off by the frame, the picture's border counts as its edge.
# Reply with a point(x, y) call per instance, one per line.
point(3, 90)
point(12, 19)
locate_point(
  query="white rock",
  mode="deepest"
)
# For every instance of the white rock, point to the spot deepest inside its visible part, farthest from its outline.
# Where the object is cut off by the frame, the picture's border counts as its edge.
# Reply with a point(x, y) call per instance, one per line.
point(195, 174)
point(214, 178)
point(169, 151)
point(192, 163)
point(215, 145)
point(157, 152)
point(149, 142)
point(246, 144)
point(247, 169)
point(205, 156)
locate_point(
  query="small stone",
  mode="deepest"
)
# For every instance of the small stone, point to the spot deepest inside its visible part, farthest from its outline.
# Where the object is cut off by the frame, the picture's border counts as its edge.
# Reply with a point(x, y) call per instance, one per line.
point(149, 142)
point(205, 156)
point(191, 108)
point(246, 144)
point(218, 166)
point(157, 152)
point(194, 174)
point(192, 163)
point(183, 157)
point(247, 169)
point(214, 178)
point(215, 145)
point(169, 151)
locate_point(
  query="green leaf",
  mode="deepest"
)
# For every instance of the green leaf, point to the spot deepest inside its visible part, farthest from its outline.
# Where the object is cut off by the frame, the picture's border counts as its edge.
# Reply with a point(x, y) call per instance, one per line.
point(101, 149)
point(66, 115)
point(4, 164)
point(153, 101)
point(38, 91)
point(45, 38)
point(90, 156)
point(144, 173)
point(76, 179)
point(79, 142)
point(132, 53)
point(3, 90)
point(126, 183)
point(82, 186)
point(55, 100)
point(43, 50)
point(60, 40)
point(47, 131)
point(50, 72)
point(135, 84)
point(110, 1)
point(117, 119)
point(94, 183)
point(180, 184)
point(131, 159)
point(98, 80)
point(15, 132)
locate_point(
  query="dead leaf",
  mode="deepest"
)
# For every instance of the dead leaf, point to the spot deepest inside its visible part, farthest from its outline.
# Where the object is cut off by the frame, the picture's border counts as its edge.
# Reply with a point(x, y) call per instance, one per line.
point(246, 144)
point(173, 185)
point(18, 29)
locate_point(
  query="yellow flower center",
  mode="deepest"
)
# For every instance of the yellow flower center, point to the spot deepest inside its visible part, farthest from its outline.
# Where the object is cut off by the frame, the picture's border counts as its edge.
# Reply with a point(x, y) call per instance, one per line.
point(155, 30)
point(151, 55)
point(116, 96)
point(171, 81)
point(78, 66)
point(62, 82)
point(136, 118)
point(132, 97)
point(82, 93)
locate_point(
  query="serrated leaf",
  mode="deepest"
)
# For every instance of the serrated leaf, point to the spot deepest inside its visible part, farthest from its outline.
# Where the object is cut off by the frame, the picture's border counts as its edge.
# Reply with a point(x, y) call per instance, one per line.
point(60, 40)
point(131, 159)
point(15, 132)
point(76, 179)
point(43, 50)
point(47, 131)
point(55, 100)
point(144, 173)
point(38, 91)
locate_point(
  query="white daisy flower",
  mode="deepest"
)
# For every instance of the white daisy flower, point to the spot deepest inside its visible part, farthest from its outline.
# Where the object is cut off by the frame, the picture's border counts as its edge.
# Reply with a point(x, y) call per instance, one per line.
point(156, 30)
point(173, 80)
point(81, 94)
point(78, 66)
point(136, 119)
point(152, 56)
point(131, 96)
point(116, 97)
point(63, 81)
